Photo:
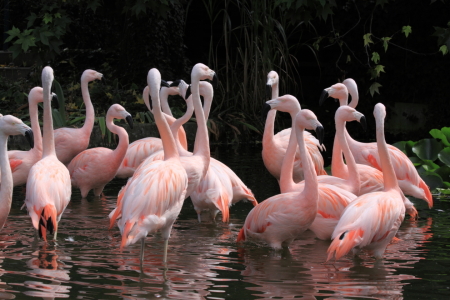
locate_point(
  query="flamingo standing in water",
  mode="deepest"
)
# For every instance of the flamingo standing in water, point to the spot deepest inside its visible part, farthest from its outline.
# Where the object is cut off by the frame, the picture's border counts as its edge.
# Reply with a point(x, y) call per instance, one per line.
point(274, 146)
point(71, 141)
point(140, 149)
point(367, 153)
point(48, 188)
point(371, 179)
point(334, 193)
point(22, 161)
point(372, 220)
point(94, 168)
point(282, 218)
point(9, 125)
point(153, 197)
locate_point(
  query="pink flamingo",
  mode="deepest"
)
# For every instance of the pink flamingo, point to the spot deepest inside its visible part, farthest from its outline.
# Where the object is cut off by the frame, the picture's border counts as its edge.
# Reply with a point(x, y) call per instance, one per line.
point(283, 217)
point(48, 188)
point(94, 168)
point(71, 141)
point(9, 125)
point(334, 193)
point(154, 196)
point(274, 146)
point(22, 161)
point(372, 220)
point(140, 149)
point(371, 179)
point(366, 153)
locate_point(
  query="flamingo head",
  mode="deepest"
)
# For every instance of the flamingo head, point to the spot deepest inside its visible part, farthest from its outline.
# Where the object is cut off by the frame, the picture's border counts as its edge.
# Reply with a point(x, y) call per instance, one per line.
point(348, 114)
point(272, 79)
point(337, 91)
point(11, 125)
point(306, 119)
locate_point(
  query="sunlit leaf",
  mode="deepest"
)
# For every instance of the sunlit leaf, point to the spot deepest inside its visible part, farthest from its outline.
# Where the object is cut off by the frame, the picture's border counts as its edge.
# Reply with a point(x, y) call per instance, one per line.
point(439, 134)
point(443, 49)
point(367, 39)
point(375, 57)
point(47, 18)
point(385, 42)
point(378, 69)
point(374, 88)
point(427, 149)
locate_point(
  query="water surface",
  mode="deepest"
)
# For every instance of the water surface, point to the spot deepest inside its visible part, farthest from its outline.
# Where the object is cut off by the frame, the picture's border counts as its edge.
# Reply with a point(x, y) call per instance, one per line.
point(204, 261)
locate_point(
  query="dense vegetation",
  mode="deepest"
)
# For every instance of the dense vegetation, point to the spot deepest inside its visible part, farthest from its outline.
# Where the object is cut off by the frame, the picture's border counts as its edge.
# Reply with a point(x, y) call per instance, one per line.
point(393, 49)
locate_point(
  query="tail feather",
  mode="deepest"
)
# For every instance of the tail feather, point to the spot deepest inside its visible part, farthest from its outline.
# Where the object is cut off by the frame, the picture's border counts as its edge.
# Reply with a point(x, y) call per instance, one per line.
point(117, 212)
point(241, 235)
point(428, 195)
point(250, 196)
point(126, 230)
point(48, 221)
point(224, 208)
point(346, 241)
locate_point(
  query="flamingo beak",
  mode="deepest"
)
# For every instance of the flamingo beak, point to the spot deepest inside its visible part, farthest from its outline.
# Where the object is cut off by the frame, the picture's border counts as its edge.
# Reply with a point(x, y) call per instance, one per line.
point(150, 101)
point(175, 83)
point(265, 110)
point(55, 101)
point(188, 92)
point(269, 91)
point(323, 97)
point(320, 134)
point(129, 120)
point(164, 83)
point(363, 123)
point(30, 138)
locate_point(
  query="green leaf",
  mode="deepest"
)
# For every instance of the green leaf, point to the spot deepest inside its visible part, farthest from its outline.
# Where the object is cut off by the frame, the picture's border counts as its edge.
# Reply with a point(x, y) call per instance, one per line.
point(443, 191)
point(47, 18)
point(367, 39)
point(443, 49)
point(57, 119)
point(416, 161)
point(374, 88)
point(385, 42)
point(406, 30)
point(444, 156)
point(433, 180)
point(44, 37)
point(375, 57)
point(102, 125)
point(439, 134)
point(25, 42)
point(427, 149)
point(406, 147)
point(429, 165)
point(14, 32)
point(58, 15)
point(93, 5)
point(31, 19)
point(349, 59)
point(378, 69)
point(444, 172)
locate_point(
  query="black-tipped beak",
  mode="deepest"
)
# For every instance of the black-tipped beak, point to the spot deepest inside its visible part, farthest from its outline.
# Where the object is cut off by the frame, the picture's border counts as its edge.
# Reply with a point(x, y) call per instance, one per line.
point(150, 101)
point(129, 120)
point(268, 91)
point(188, 92)
point(363, 123)
point(320, 134)
point(30, 138)
point(264, 112)
point(164, 83)
point(215, 80)
point(323, 97)
point(175, 83)
point(55, 101)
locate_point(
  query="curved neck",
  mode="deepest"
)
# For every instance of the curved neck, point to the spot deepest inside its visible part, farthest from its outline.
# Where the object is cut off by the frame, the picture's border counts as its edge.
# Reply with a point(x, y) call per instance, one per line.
point(122, 146)
point(7, 181)
point(390, 180)
point(338, 167)
point(353, 172)
point(201, 146)
point(269, 127)
point(34, 120)
point(311, 190)
point(176, 128)
point(48, 136)
point(286, 181)
point(169, 146)
point(90, 114)
point(164, 98)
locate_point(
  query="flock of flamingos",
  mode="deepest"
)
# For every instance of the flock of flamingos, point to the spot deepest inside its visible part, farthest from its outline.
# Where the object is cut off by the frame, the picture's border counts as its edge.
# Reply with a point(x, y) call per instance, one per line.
point(360, 206)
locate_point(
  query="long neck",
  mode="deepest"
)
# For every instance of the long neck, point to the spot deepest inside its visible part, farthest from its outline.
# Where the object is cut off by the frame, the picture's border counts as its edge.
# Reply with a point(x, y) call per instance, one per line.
point(164, 98)
point(311, 189)
point(390, 180)
point(121, 149)
point(34, 118)
point(338, 167)
point(176, 129)
point(269, 127)
point(286, 181)
point(90, 114)
point(353, 172)
point(7, 181)
point(169, 146)
point(201, 146)
point(48, 137)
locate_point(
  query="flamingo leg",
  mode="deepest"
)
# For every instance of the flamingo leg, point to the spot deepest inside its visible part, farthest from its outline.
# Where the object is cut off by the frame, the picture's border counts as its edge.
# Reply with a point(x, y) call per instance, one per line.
point(166, 244)
point(141, 257)
point(54, 236)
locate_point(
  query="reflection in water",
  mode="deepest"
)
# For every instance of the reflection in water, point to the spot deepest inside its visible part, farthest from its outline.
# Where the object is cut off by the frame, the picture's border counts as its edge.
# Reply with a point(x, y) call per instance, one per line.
point(204, 260)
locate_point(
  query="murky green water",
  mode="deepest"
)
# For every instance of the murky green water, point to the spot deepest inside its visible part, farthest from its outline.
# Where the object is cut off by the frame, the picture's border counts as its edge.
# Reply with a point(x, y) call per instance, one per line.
point(205, 262)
